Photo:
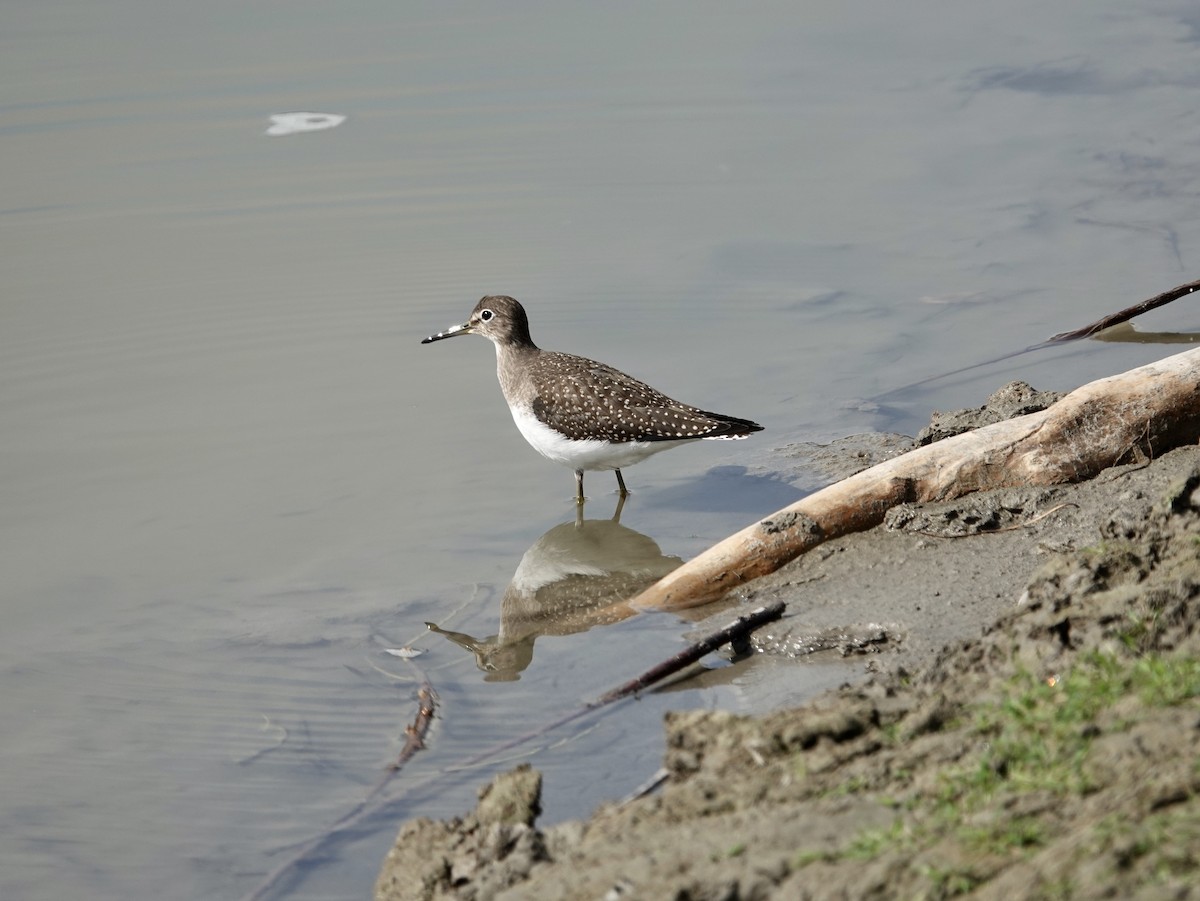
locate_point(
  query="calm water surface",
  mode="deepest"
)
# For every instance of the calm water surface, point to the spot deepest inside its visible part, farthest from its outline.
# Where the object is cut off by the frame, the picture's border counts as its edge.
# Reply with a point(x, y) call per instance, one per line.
point(230, 476)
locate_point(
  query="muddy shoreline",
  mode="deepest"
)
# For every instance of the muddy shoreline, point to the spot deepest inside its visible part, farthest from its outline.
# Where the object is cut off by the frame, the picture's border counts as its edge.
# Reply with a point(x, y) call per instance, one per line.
point(1029, 725)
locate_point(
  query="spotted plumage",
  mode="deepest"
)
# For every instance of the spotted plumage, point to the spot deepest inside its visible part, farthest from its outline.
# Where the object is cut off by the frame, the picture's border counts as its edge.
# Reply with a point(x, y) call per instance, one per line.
point(581, 413)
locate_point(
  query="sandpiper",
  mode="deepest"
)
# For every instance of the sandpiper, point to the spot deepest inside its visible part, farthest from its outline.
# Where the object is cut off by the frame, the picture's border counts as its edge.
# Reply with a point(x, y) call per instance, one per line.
point(581, 413)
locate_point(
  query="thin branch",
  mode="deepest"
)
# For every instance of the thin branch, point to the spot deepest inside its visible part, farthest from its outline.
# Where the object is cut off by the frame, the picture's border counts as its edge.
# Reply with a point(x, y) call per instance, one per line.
point(740, 628)
point(736, 631)
point(1014, 528)
point(1061, 338)
point(1125, 315)
point(661, 775)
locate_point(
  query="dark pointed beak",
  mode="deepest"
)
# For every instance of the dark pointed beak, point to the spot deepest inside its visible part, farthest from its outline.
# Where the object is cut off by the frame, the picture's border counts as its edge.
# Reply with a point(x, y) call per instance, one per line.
point(464, 329)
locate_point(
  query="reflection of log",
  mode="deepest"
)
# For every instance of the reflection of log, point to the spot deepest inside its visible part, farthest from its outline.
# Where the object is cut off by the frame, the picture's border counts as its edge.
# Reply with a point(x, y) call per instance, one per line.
point(1127, 417)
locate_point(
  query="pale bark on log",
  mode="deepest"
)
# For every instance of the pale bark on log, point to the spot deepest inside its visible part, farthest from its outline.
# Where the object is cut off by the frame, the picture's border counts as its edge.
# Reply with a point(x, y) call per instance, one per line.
point(1123, 418)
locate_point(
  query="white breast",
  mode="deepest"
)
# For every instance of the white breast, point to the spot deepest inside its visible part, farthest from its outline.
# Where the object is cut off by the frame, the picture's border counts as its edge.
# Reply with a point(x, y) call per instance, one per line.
point(587, 455)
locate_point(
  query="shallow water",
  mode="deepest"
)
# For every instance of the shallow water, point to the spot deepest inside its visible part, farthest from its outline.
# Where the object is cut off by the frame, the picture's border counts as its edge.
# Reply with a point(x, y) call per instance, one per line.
point(230, 475)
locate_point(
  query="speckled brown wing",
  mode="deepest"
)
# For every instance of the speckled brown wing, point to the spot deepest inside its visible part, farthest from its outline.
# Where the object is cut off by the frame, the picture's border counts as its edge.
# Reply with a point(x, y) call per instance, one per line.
point(582, 399)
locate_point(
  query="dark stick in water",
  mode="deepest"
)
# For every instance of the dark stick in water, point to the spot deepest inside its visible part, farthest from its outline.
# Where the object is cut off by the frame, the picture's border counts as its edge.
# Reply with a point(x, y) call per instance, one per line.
point(1086, 331)
point(735, 633)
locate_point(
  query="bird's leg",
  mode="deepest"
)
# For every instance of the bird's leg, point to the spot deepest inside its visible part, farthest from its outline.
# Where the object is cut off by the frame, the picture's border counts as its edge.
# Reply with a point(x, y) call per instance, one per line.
point(621, 482)
point(579, 487)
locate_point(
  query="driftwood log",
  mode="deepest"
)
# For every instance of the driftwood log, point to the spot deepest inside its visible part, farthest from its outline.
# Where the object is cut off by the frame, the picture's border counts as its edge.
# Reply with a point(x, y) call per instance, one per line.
point(1124, 418)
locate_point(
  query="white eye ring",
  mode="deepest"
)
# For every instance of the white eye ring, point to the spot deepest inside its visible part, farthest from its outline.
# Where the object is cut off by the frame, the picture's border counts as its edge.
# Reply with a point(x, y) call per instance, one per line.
point(486, 315)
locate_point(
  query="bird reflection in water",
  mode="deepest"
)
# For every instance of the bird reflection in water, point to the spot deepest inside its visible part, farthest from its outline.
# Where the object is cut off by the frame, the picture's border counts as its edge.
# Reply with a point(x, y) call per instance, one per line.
point(572, 578)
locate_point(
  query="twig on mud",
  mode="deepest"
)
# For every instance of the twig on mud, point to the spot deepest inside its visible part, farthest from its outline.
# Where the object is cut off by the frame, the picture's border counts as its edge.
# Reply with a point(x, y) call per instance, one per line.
point(1126, 470)
point(661, 775)
point(1013, 528)
point(1036, 519)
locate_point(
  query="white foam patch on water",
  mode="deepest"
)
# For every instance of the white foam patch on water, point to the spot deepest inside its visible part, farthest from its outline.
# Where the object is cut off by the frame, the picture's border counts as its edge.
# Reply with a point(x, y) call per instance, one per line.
point(283, 124)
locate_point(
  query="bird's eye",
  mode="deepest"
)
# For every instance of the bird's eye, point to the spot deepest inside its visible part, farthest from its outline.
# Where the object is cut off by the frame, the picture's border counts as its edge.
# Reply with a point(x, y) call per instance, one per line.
point(486, 315)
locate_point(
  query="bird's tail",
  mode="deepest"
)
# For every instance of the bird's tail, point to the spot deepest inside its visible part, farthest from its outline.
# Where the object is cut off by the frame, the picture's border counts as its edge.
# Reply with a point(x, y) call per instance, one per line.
point(730, 427)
